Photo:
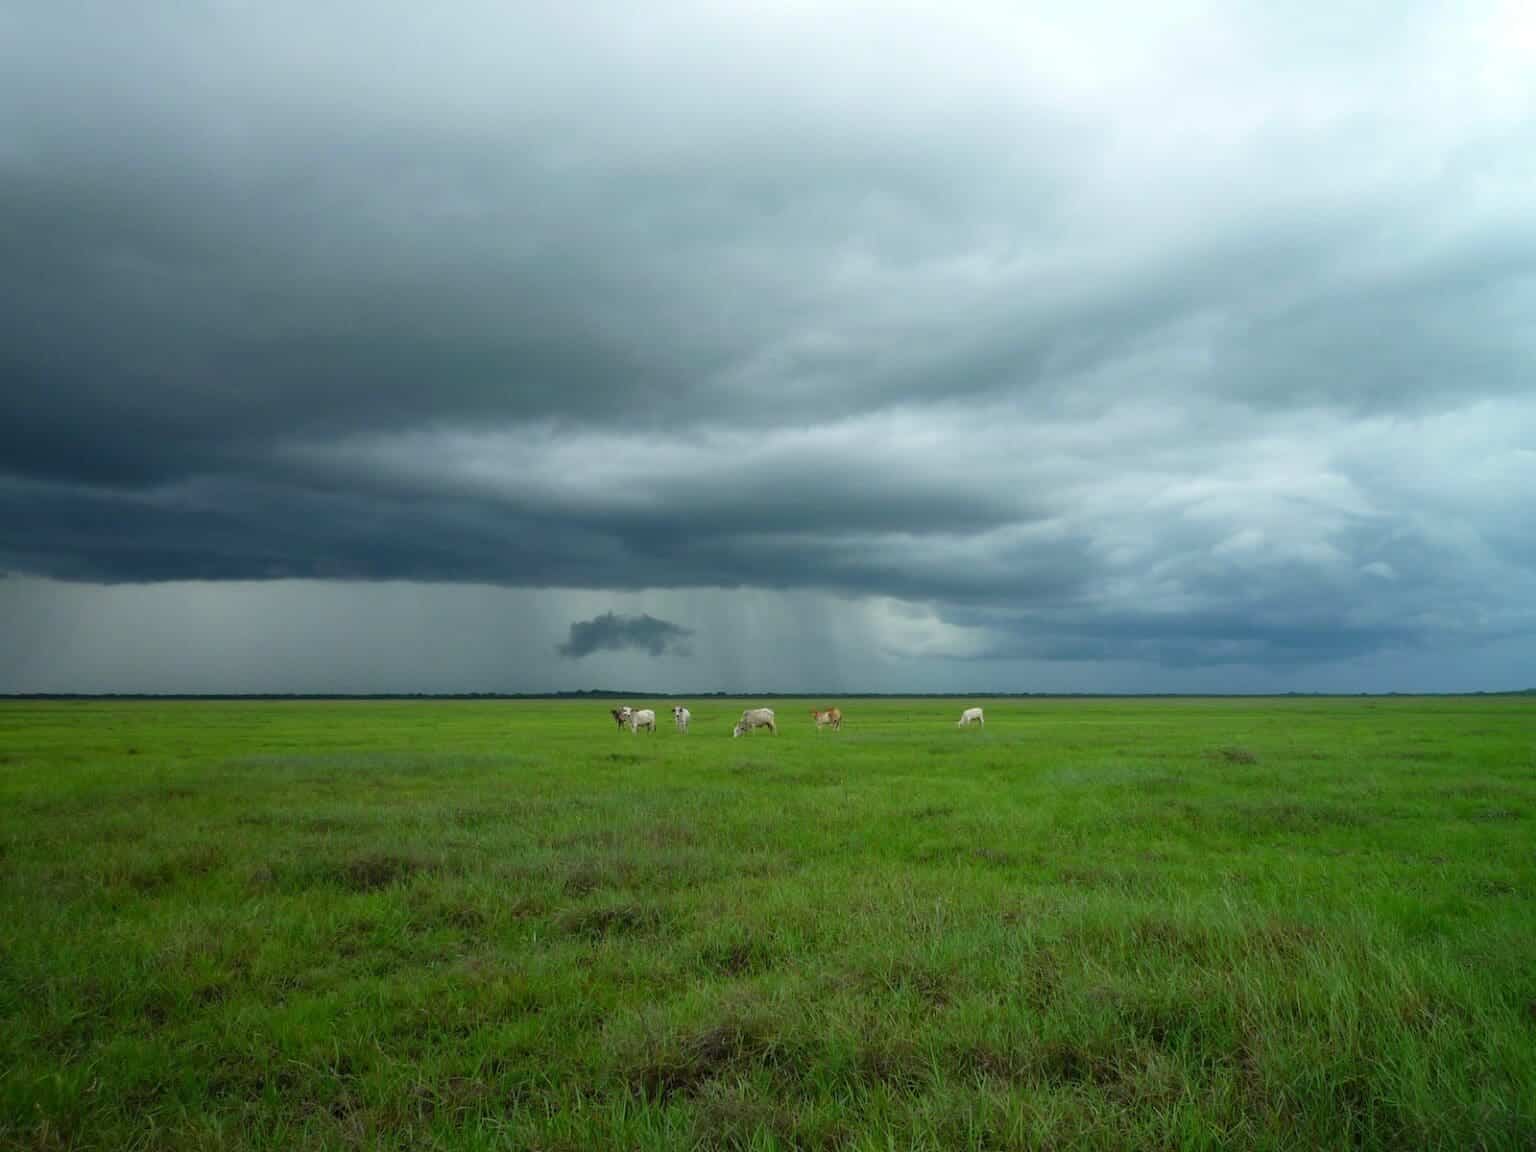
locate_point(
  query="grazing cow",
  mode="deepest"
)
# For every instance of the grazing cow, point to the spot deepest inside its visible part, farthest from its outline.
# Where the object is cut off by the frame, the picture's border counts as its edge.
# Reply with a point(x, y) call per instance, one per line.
point(755, 718)
point(680, 717)
point(620, 715)
point(832, 718)
point(971, 716)
point(644, 718)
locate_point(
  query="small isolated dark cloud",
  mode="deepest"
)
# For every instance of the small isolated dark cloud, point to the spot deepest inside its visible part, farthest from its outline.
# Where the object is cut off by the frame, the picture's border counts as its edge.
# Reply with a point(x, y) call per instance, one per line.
point(610, 633)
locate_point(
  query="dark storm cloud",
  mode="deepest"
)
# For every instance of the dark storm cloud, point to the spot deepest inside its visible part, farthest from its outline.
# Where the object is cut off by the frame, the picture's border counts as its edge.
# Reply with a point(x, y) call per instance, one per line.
point(1181, 347)
point(1216, 635)
point(232, 531)
point(611, 633)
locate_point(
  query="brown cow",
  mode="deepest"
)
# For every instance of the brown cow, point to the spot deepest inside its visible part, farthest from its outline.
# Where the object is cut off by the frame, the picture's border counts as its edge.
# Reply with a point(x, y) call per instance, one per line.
point(831, 718)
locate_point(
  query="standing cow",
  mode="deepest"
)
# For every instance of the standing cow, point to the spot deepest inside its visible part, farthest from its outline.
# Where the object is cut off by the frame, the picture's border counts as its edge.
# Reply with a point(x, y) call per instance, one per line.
point(644, 718)
point(680, 717)
point(620, 716)
point(755, 718)
point(832, 718)
point(971, 716)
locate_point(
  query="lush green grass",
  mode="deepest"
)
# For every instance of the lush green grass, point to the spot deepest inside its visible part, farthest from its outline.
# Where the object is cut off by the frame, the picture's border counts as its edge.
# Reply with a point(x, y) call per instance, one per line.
point(1107, 924)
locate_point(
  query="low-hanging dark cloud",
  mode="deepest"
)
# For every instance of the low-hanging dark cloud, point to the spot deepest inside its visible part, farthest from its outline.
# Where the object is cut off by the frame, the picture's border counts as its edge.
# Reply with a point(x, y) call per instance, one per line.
point(1207, 343)
point(613, 633)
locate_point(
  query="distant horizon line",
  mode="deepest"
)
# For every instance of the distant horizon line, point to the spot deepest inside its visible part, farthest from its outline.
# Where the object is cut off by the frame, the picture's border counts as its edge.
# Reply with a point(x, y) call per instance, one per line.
point(611, 694)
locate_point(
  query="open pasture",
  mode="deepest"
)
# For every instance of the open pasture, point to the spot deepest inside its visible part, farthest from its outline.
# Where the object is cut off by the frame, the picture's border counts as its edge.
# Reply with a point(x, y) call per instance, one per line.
point(1294, 923)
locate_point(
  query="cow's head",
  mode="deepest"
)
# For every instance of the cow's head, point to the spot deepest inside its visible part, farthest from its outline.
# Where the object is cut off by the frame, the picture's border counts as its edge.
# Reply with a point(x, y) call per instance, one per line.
point(741, 726)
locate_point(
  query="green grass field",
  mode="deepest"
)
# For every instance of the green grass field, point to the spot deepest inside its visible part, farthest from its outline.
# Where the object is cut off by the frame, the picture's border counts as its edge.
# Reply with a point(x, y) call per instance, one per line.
point(1095, 924)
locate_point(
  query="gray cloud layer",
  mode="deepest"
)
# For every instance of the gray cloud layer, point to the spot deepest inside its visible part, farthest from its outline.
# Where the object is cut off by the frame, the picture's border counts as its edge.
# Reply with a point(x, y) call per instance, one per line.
point(1208, 343)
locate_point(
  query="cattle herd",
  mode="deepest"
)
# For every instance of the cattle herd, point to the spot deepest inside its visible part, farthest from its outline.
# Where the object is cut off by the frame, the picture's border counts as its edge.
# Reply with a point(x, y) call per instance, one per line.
point(753, 718)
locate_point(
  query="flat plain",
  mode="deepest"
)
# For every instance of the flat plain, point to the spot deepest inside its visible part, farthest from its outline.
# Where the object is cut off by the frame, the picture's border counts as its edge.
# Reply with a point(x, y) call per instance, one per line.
point(1281, 923)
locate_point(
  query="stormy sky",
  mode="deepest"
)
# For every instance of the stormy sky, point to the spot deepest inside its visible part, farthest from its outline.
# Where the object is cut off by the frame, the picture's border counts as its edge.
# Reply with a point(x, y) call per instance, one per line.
point(778, 346)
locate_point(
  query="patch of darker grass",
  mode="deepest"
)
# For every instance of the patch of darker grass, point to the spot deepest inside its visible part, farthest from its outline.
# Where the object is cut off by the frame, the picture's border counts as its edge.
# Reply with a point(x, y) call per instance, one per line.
point(1494, 815)
point(610, 920)
point(590, 873)
point(992, 1061)
point(460, 915)
point(473, 918)
point(374, 871)
point(1039, 978)
point(354, 938)
point(477, 817)
point(1065, 1062)
point(965, 854)
point(1477, 790)
point(931, 812)
point(1293, 816)
point(729, 1118)
point(640, 866)
point(930, 985)
point(325, 825)
point(656, 834)
point(1060, 1062)
point(157, 875)
point(1091, 877)
point(1286, 939)
point(1015, 914)
point(1494, 886)
point(683, 1065)
point(1236, 754)
point(1175, 938)
point(761, 865)
point(1162, 935)
point(1122, 880)
point(741, 766)
point(1425, 1011)
point(1163, 1023)
point(745, 956)
point(994, 857)
point(894, 1062)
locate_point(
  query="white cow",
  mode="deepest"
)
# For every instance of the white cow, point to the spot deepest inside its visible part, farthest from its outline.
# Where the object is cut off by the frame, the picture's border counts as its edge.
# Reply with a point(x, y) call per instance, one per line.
point(644, 718)
point(755, 718)
point(680, 717)
point(971, 716)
